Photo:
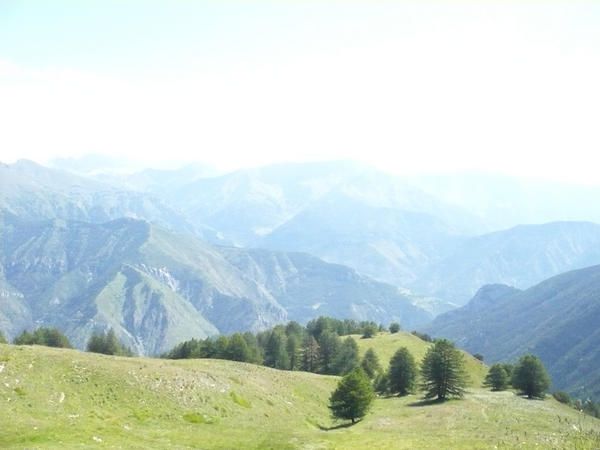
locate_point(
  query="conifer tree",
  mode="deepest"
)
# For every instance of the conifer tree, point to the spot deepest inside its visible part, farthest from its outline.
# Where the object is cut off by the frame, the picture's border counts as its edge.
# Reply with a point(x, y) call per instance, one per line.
point(107, 344)
point(530, 377)
point(346, 358)
point(276, 354)
point(497, 378)
point(370, 363)
point(294, 351)
point(442, 371)
point(402, 373)
point(237, 349)
point(329, 344)
point(353, 397)
point(310, 354)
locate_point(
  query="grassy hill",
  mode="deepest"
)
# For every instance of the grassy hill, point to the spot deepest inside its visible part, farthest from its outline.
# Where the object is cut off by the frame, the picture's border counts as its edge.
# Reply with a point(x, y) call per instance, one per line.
point(385, 345)
point(54, 398)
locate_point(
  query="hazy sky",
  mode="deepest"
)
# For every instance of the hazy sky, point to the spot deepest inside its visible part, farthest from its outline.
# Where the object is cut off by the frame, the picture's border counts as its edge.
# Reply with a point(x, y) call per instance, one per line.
point(410, 86)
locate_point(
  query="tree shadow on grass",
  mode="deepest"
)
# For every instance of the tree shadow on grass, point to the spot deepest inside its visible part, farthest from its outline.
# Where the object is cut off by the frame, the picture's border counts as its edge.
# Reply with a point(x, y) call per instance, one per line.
point(421, 403)
point(337, 427)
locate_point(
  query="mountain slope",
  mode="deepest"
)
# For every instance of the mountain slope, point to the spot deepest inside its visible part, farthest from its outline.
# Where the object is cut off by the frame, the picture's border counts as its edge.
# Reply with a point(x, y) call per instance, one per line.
point(157, 288)
point(56, 398)
point(341, 211)
point(34, 192)
point(521, 256)
point(556, 319)
point(307, 287)
point(387, 244)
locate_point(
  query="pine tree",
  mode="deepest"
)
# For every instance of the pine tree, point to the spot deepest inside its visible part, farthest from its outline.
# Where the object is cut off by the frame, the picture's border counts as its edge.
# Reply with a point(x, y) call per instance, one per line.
point(237, 349)
point(329, 344)
point(310, 355)
point(370, 364)
point(294, 351)
point(381, 383)
point(2, 338)
point(497, 378)
point(254, 350)
point(402, 373)
point(442, 371)
point(530, 377)
point(276, 354)
point(353, 397)
point(107, 344)
point(346, 358)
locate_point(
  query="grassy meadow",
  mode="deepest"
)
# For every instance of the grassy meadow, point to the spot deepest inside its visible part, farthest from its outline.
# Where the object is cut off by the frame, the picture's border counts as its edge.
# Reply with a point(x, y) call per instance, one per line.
point(55, 398)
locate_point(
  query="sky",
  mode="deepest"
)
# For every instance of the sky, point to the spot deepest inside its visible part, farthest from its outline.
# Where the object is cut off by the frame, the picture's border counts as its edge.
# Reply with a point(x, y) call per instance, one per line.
point(412, 87)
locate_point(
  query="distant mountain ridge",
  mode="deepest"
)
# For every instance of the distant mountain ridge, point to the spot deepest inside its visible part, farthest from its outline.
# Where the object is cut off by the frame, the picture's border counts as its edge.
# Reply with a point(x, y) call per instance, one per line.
point(342, 212)
point(31, 191)
point(157, 288)
point(521, 256)
point(557, 319)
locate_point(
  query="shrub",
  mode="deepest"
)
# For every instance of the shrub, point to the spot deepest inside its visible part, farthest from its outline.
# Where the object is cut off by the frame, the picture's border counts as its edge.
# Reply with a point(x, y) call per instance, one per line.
point(394, 327)
point(562, 397)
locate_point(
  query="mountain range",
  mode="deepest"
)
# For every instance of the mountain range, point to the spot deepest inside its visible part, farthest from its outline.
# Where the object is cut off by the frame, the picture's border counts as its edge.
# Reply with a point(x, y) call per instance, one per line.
point(166, 255)
point(157, 288)
point(521, 257)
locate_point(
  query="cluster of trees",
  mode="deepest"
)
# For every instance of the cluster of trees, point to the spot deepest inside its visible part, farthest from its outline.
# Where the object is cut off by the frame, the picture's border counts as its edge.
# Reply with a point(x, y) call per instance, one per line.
point(442, 375)
point(50, 337)
point(528, 376)
point(107, 343)
point(100, 342)
point(318, 347)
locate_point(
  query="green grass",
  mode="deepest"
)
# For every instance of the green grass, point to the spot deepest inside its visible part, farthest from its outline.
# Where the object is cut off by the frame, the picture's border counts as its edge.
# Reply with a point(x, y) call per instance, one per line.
point(54, 398)
point(386, 344)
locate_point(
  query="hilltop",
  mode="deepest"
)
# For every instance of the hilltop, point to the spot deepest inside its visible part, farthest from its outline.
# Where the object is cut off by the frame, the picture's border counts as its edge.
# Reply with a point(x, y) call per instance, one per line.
point(385, 345)
point(55, 398)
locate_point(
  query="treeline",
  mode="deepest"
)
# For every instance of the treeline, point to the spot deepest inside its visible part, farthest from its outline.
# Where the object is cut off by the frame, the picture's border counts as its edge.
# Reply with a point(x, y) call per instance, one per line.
point(318, 347)
point(104, 342)
point(49, 337)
